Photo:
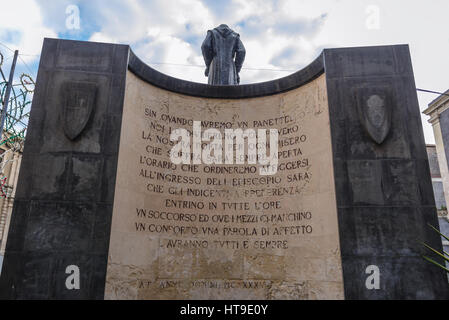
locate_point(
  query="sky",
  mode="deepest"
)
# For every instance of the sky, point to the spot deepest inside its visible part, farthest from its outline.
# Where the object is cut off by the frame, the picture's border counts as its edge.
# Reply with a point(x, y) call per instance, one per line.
point(280, 36)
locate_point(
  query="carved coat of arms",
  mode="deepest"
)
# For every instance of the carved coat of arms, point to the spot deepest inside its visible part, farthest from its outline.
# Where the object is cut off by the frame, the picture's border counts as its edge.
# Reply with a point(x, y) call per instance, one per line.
point(374, 106)
point(79, 100)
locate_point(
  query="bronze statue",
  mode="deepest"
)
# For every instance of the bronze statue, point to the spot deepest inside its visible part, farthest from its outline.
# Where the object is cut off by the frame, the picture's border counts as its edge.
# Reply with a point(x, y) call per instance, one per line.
point(224, 54)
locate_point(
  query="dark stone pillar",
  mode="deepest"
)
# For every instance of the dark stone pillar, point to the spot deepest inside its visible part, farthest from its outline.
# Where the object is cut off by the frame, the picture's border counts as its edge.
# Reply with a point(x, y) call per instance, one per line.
point(384, 189)
point(63, 206)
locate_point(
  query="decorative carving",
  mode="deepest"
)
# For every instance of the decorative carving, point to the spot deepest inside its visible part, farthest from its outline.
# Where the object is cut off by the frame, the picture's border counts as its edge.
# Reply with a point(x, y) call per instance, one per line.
point(79, 100)
point(374, 106)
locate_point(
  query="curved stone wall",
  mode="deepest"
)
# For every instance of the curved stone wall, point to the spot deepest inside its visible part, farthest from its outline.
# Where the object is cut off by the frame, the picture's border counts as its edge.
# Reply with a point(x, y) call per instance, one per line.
point(158, 79)
point(225, 231)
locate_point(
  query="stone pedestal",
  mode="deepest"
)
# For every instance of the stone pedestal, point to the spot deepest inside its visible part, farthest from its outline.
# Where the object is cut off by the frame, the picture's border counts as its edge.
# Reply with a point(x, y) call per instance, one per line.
point(97, 189)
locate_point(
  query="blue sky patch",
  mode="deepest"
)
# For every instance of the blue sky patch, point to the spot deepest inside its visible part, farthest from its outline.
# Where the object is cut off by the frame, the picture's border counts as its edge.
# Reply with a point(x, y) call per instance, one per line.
point(10, 36)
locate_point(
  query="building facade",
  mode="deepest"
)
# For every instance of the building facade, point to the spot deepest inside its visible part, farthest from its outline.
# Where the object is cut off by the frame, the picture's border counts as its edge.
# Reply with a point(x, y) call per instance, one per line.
point(437, 181)
point(438, 111)
point(11, 157)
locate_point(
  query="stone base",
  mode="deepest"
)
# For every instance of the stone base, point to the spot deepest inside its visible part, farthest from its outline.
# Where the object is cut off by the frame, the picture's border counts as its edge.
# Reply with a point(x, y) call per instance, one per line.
point(369, 192)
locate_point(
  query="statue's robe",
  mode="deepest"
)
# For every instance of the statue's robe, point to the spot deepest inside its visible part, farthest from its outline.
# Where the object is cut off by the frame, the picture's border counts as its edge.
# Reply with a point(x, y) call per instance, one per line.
point(224, 54)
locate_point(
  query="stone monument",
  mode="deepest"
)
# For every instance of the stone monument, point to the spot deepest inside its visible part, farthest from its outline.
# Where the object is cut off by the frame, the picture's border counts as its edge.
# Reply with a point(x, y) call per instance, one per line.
point(100, 197)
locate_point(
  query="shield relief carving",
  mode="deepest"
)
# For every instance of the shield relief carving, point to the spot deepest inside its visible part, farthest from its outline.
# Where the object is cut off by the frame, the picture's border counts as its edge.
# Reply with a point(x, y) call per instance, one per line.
point(374, 107)
point(79, 99)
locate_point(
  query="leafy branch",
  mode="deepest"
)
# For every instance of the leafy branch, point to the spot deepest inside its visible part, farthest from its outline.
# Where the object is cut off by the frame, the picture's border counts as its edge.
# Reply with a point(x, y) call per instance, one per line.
point(443, 254)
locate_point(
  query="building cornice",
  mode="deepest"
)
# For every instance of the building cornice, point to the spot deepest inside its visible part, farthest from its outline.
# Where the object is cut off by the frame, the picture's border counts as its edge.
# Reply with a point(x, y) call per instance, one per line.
point(437, 107)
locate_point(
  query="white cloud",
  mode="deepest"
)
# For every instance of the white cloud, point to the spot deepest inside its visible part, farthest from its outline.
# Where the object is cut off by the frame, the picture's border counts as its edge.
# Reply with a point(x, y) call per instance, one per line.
point(421, 25)
point(23, 20)
point(278, 34)
point(157, 33)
